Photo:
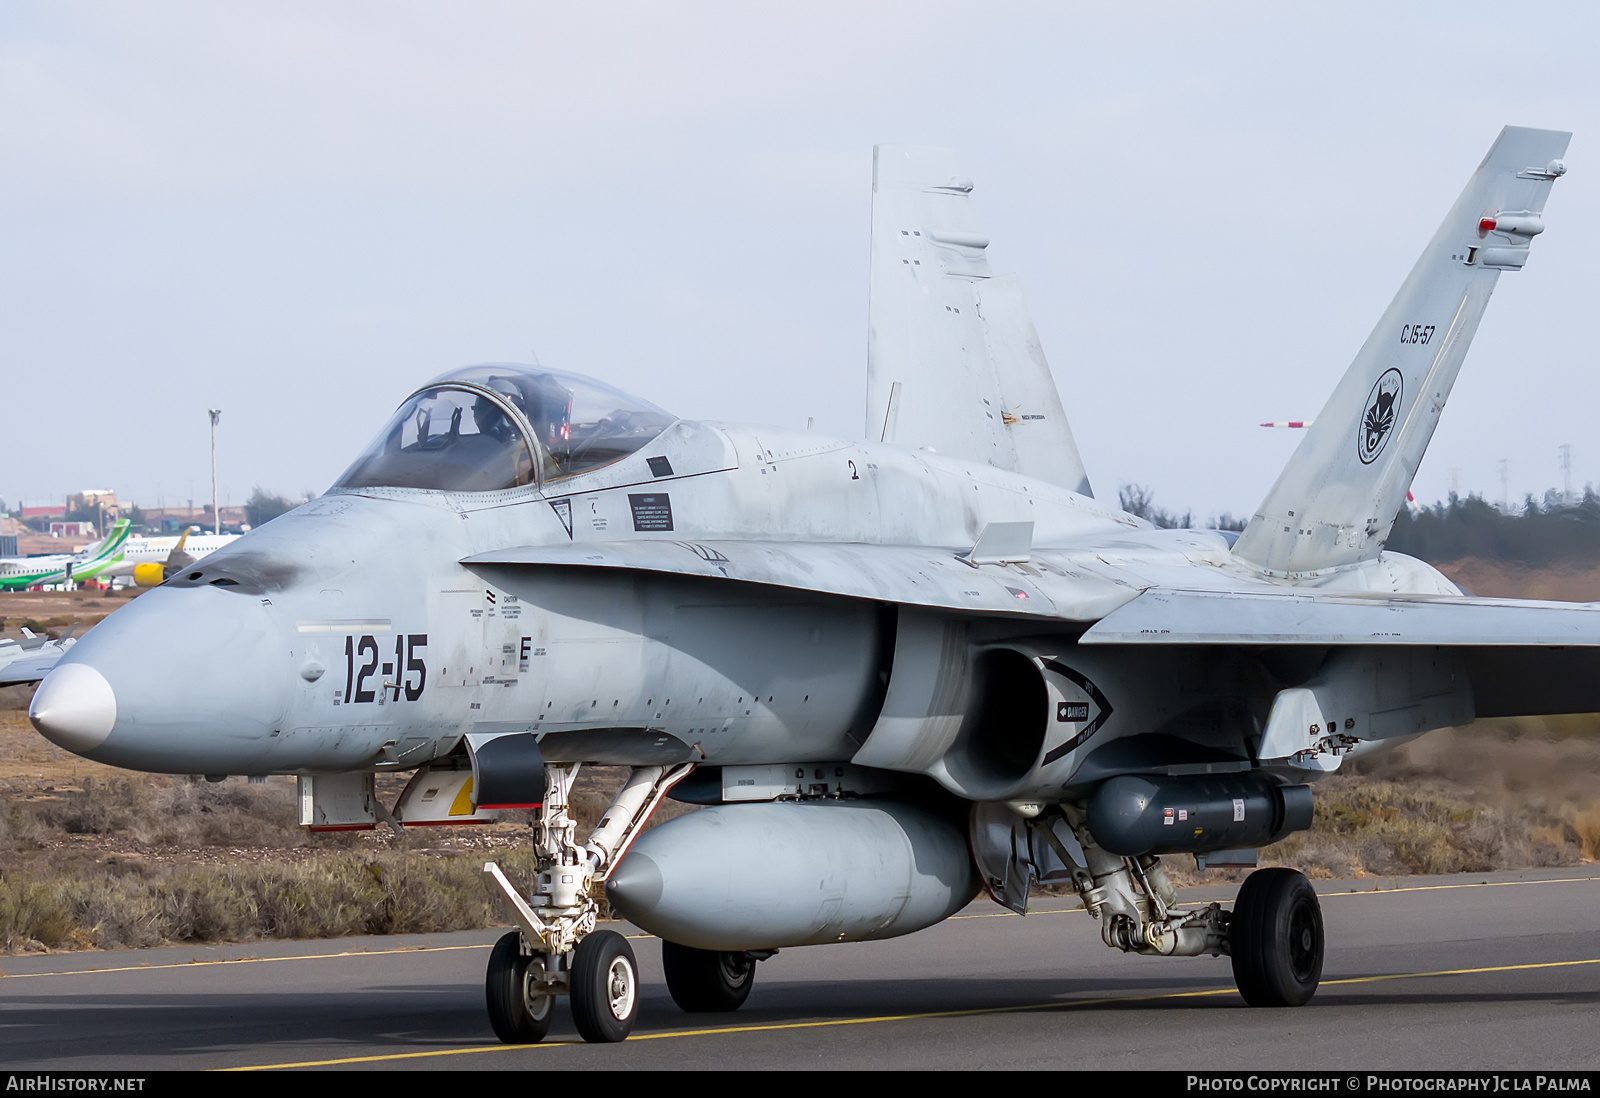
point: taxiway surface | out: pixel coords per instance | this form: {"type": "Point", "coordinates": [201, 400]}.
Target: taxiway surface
{"type": "Point", "coordinates": [1494, 970]}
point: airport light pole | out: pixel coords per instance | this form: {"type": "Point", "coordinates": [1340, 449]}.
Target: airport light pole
{"type": "Point", "coordinates": [216, 512]}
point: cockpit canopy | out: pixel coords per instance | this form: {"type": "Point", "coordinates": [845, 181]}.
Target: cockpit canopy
{"type": "Point", "coordinates": [503, 425]}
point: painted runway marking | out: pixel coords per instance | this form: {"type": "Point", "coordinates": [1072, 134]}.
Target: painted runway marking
{"type": "Point", "coordinates": [244, 961]}
{"type": "Point", "coordinates": [1023, 1008]}
{"type": "Point", "coordinates": [262, 960]}
{"type": "Point", "coordinates": [638, 937]}
{"type": "Point", "coordinates": [1470, 884]}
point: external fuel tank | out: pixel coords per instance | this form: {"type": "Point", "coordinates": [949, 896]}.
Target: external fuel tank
{"type": "Point", "coordinates": [762, 876]}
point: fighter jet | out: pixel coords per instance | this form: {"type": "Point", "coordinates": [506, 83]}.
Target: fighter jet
{"type": "Point", "coordinates": [20, 573]}
{"type": "Point", "coordinates": [894, 671]}
{"type": "Point", "coordinates": [33, 657]}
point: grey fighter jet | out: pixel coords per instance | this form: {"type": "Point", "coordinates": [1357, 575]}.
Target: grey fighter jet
{"type": "Point", "coordinates": [895, 671]}
{"type": "Point", "coordinates": [31, 658]}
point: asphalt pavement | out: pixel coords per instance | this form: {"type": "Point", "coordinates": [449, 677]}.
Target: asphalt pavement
{"type": "Point", "coordinates": [1496, 970]}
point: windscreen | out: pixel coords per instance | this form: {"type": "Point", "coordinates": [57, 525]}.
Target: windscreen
{"type": "Point", "coordinates": [452, 439]}
{"type": "Point", "coordinates": [447, 439]}
{"type": "Point", "coordinates": [580, 423]}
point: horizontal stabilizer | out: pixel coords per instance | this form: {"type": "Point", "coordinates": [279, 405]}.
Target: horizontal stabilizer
{"type": "Point", "coordinates": [1201, 617]}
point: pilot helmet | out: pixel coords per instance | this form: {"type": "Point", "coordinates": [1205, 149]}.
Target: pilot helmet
{"type": "Point", "coordinates": [490, 417]}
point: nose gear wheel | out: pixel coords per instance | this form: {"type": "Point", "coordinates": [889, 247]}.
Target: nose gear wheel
{"type": "Point", "coordinates": [604, 987]}
{"type": "Point", "coordinates": [519, 1008]}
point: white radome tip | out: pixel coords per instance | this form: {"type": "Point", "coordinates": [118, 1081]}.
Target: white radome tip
{"type": "Point", "coordinates": [74, 708]}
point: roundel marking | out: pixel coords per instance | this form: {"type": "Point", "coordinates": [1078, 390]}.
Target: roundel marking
{"type": "Point", "coordinates": [1379, 416]}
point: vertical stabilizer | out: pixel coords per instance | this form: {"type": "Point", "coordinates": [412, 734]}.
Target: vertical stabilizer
{"type": "Point", "coordinates": [953, 361]}
{"type": "Point", "coordinates": [108, 549]}
{"type": "Point", "coordinates": [1336, 501]}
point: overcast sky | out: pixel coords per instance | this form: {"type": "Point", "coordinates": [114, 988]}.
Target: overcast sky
{"type": "Point", "coordinates": [298, 212]}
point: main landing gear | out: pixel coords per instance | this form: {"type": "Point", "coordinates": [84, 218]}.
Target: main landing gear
{"type": "Point", "coordinates": [1275, 939]}
{"type": "Point", "coordinates": [703, 981]}
{"type": "Point", "coordinates": [1273, 934]}
{"type": "Point", "coordinates": [556, 949]}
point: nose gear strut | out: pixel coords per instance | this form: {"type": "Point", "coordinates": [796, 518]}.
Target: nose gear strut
{"type": "Point", "coordinates": [558, 951]}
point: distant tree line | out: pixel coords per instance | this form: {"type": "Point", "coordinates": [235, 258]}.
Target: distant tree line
{"type": "Point", "coordinates": [1138, 500]}
{"type": "Point", "coordinates": [1540, 533]}
{"type": "Point", "coordinates": [262, 506]}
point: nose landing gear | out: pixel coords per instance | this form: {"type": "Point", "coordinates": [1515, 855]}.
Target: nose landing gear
{"type": "Point", "coordinates": [520, 1007]}
{"type": "Point", "coordinates": [604, 987]}
{"type": "Point", "coordinates": [557, 950]}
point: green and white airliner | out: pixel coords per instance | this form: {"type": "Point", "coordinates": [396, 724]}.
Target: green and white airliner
{"type": "Point", "coordinates": [21, 573]}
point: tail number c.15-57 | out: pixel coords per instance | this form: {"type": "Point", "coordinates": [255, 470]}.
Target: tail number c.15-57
{"type": "Point", "coordinates": [361, 664]}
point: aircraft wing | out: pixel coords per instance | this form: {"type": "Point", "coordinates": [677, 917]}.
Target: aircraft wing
{"type": "Point", "coordinates": [937, 578]}
{"type": "Point", "coordinates": [1522, 658]}
{"type": "Point", "coordinates": [1164, 616]}
{"type": "Point", "coordinates": [911, 576]}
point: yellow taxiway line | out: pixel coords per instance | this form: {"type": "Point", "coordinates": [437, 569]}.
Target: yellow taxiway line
{"type": "Point", "coordinates": [634, 937]}
{"type": "Point", "coordinates": [1054, 1005]}
{"type": "Point", "coordinates": [241, 961]}
{"type": "Point", "coordinates": [777, 1026]}
{"type": "Point", "coordinates": [1442, 888]}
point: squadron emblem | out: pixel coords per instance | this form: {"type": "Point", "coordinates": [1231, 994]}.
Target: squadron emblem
{"type": "Point", "coordinates": [1377, 421]}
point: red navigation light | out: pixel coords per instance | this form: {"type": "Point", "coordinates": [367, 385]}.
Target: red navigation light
{"type": "Point", "coordinates": [1486, 225]}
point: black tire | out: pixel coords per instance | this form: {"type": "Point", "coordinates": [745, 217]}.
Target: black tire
{"type": "Point", "coordinates": [605, 987]}
{"type": "Point", "coordinates": [518, 1013]}
{"type": "Point", "coordinates": [703, 981]}
{"type": "Point", "coordinates": [1275, 938]}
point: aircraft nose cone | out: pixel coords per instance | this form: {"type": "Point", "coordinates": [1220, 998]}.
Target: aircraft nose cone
{"type": "Point", "coordinates": [74, 708]}
{"type": "Point", "coordinates": [178, 682]}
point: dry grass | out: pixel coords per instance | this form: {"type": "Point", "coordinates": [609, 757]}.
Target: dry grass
{"type": "Point", "coordinates": [1569, 581]}
{"type": "Point", "coordinates": [132, 904]}
{"type": "Point", "coordinates": [93, 857]}
{"type": "Point", "coordinates": [1387, 828]}
{"type": "Point", "coordinates": [55, 610]}
{"type": "Point", "coordinates": [140, 860]}
{"type": "Point", "coordinates": [96, 858]}
{"type": "Point", "coordinates": [1502, 794]}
